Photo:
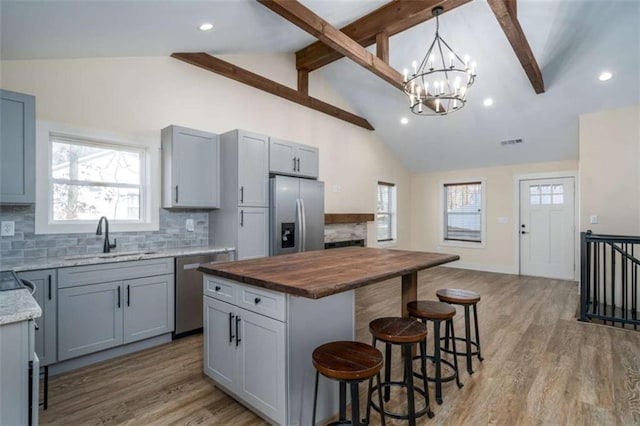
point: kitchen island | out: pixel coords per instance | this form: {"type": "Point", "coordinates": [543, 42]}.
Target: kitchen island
{"type": "Point", "coordinates": [264, 317]}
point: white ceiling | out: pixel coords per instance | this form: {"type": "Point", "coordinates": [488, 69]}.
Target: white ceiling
{"type": "Point", "coordinates": [573, 41]}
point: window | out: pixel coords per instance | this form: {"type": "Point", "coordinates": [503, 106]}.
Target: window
{"type": "Point", "coordinates": [546, 194]}
{"type": "Point", "coordinates": [463, 212]}
{"type": "Point", "coordinates": [90, 179]}
{"type": "Point", "coordinates": [386, 212]}
{"type": "Point", "coordinates": [91, 173]}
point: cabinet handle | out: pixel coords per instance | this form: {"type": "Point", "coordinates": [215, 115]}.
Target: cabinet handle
{"type": "Point", "coordinates": [238, 339]}
{"type": "Point", "coordinates": [231, 336]}
{"type": "Point", "coordinates": [218, 288]}
{"type": "Point", "coordinates": [49, 286]}
{"type": "Point", "coordinates": [256, 300]}
{"type": "Point", "coordinates": [241, 194]}
{"type": "Point", "coordinates": [128, 295]}
{"type": "Point", "coordinates": [118, 297]}
{"type": "Point", "coordinates": [241, 217]}
{"type": "Point", "coordinates": [176, 193]}
{"type": "Point", "coordinates": [298, 160]}
{"type": "Point", "coordinates": [294, 164]}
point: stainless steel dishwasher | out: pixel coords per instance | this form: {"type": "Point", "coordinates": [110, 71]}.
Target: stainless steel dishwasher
{"type": "Point", "coordinates": [189, 290]}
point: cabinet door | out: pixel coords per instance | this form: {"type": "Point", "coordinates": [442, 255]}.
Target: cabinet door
{"type": "Point", "coordinates": [148, 307]}
{"type": "Point", "coordinates": [307, 161]}
{"type": "Point", "coordinates": [281, 157]}
{"type": "Point", "coordinates": [17, 148]}
{"type": "Point", "coordinates": [261, 364]}
{"type": "Point", "coordinates": [253, 170]}
{"type": "Point", "coordinates": [195, 170]}
{"type": "Point", "coordinates": [89, 319]}
{"type": "Point", "coordinates": [47, 296]}
{"type": "Point", "coordinates": [219, 342]}
{"type": "Point", "coordinates": [253, 232]}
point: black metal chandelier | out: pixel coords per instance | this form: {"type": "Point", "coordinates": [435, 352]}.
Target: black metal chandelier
{"type": "Point", "coordinates": [440, 84]}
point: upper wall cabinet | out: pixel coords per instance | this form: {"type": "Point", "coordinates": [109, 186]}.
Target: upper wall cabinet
{"type": "Point", "coordinates": [246, 168]}
{"type": "Point", "coordinates": [17, 148]}
{"type": "Point", "coordinates": [190, 168]}
{"type": "Point", "coordinates": [294, 159]}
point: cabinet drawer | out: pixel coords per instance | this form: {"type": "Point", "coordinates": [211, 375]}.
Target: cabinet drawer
{"type": "Point", "coordinates": [117, 271]}
{"type": "Point", "coordinates": [261, 301]}
{"type": "Point", "coordinates": [220, 289]}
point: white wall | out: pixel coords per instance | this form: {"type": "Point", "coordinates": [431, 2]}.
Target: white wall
{"type": "Point", "coordinates": [139, 96]}
{"type": "Point", "coordinates": [499, 252]}
{"type": "Point", "coordinates": [610, 171]}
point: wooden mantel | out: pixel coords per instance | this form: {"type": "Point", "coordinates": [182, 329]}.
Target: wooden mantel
{"type": "Point", "coordinates": [333, 218]}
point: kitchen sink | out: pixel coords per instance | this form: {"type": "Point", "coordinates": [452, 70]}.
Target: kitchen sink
{"type": "Point", "coordinates": [108, 255]}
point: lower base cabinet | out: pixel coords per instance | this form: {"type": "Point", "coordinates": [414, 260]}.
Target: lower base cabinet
{"type": "Point", "coordinates": [245, 354]}
{"type": "Point", "coordinates": [95, 317]}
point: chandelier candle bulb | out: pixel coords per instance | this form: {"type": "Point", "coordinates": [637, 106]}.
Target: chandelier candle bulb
{"type": "Point", "coordinates": [466, 62]}
{"type": "Point", "coordinates": [451, 56]}
{"type": "Point", "coordinates": [431, 59]}
{"type": "Point", "coordinates": [415, 67]}
{"type": "Point", "coordinates": [406, 74]}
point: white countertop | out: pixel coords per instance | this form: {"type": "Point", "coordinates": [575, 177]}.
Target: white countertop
{"type": "Point", "coordinates": [91, 259]}
{"type": "Point", "coordinates": [18, 305]}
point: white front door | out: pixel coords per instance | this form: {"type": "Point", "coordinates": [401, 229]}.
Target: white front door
{"type": "Point", "coordinates": [547, 227]}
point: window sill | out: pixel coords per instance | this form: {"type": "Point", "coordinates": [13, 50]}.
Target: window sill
{"type": "Point", "coordinates": [76, 228]}
{"type": "Point", "coordinates": [463, 244]}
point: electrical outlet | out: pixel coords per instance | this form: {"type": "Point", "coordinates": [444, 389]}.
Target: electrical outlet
{"type": "Point", "coordinates": [190, 226]}
{"type": "Point", "coordinates": [8, 228]}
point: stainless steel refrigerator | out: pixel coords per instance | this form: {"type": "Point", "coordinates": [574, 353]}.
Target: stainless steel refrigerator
{"type": "Point", "coordinates": [296, 215]}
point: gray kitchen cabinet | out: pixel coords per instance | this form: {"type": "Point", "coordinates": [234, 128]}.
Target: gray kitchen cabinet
{"type": "Point", "coordinates": [245, 168]}
{"type": "Point", "coordinates": [244, 345]}
{"type": "Point", "coordinates": [47, 297]}
{"type": "Point", "coordinates": [190, 168]}
{"type": "Point", "coordinates": [253, 232]}
{"type": "Point", "coordinates": [17, 405]}
{"type": "Point", "coordinates": [17, 148]}
{"type": "Point", "coordinates": [89, 319]}
{"type": "Point", "coordinates": [137, 303]}
{"type": "Point", "coordinates": [243, 218]}
{"type": "Point", "coordinates": [292, 158]}
{"type": "Point", "coordinates": [148, 307]}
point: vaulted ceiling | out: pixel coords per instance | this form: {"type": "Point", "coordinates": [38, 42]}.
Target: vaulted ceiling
{"type": "Point", "coordinates": [573, 42]}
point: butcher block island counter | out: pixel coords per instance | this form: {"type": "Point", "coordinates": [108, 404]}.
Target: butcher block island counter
{"type": "Point", "coordinates": [264, 317]}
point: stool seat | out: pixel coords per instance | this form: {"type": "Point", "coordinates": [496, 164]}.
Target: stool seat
{"type": "Point", "coordinates": [347, 360]}
{"type": "Point", "coordinates": [431, 310]}
{"type": "Point", "coordinates": [458, 296]}
{"type": "Point", "coordinates": [398, 330]}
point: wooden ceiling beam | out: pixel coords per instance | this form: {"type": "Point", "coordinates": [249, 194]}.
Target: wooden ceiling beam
{"type": "Point", "coordinates": [304, 18]}
{"type": "Point", "coordinates": [226, 69]}
{"type": "Point", "coordinates": [382, 46]}
{"type": "Point", "coordinates": [391, 18]}
{"type": "Point", "coordinates": [505, 12]}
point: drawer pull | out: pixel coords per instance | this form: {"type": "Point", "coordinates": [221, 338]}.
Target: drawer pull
{"type": "Point", "coordinates": [256, 300]}
{"type": "Point", "coordinates": [218, 288]}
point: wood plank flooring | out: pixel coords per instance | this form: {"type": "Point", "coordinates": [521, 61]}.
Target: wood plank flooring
{"type": "Point", "coordinates": [541, 366]}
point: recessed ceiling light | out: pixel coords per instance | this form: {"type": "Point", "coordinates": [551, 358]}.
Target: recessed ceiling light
{"type": "Point", "coordinates": [205, 27]}
{"type": "Point", "coordinates": [488, 102]}
{"type": "Point", "coordinates": [404, 120]}
{"type": "Point", "coordinates": [606, 75]}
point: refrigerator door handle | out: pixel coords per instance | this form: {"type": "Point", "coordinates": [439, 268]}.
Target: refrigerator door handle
{"type": "Point", "coordinates": [303, 237]}
{"type": "Point", "coordinates": [300, 223]}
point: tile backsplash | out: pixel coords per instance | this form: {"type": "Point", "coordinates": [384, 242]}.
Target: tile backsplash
{"type": "Point", "coordinates": [345, 232]}
{"type": "Point", "coordinates": [171, 234]}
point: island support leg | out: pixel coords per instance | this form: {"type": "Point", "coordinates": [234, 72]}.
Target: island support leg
{"type": "Point", "coordinates": [409, 294]}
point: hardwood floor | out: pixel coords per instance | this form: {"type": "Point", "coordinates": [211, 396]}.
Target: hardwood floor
{"type": "Point", "coordinates": [541, 366]}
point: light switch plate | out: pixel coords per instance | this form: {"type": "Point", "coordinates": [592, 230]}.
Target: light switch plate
{"type": "Point", "coordinates": [8, 228]}
{"type": "Point", "coordinates": [190, 226]}
{"type": "Point", "coordinates": [593, 218]}
{"type": "Point", "coordinates": [503, 220]}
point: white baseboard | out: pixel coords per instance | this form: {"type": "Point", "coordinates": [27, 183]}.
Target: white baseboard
{"type": "Point", "coordinates": [485, 268]}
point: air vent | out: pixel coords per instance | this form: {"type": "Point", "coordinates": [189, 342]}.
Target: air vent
{"type": "Point", "coordinates": [511, 142]}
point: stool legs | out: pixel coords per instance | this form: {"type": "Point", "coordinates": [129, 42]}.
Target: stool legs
{"type": "Point", "coordinates": [387, 370]}
{"type": "Point", "coordinates": [448, 326]}
{"type": "Point", "coordinates": [436, 357]}
{"type": "Point", "coordinates": [380, 402]}
{"type": "Point", "coordinates": [355, 403]}
{"type": "Point", "coordinates": [475, 321]}
{"type": "Point", "coordinates": [315, 400]}
{"type": "Point", "coordinates": [408, 365]}
{"type": "Point", "coordinates": [467, 332]}
{"type": "Point", "coordinates": [343, 401]}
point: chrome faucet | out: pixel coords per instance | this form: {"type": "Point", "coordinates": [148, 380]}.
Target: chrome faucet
{"type": "Point", "coordinates": [107, 246]}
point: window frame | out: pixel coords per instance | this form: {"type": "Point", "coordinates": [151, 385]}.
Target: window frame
{"type": "Point", "coordinates": [483, 213]}
{"type": "Point", "coordinates": [149, 172]}
{"type": "Point", "coordinates": [392, 213]}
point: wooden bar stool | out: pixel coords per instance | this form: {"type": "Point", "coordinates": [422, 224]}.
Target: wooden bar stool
{"type": "Point", "coordinates": [405, 332]}
{"type": "Point", "coordinates": [465, 298]}
{"type": "Point", "coordinates": [436, 312]}
{"type": "Point", "coordinates": [349, 363]}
